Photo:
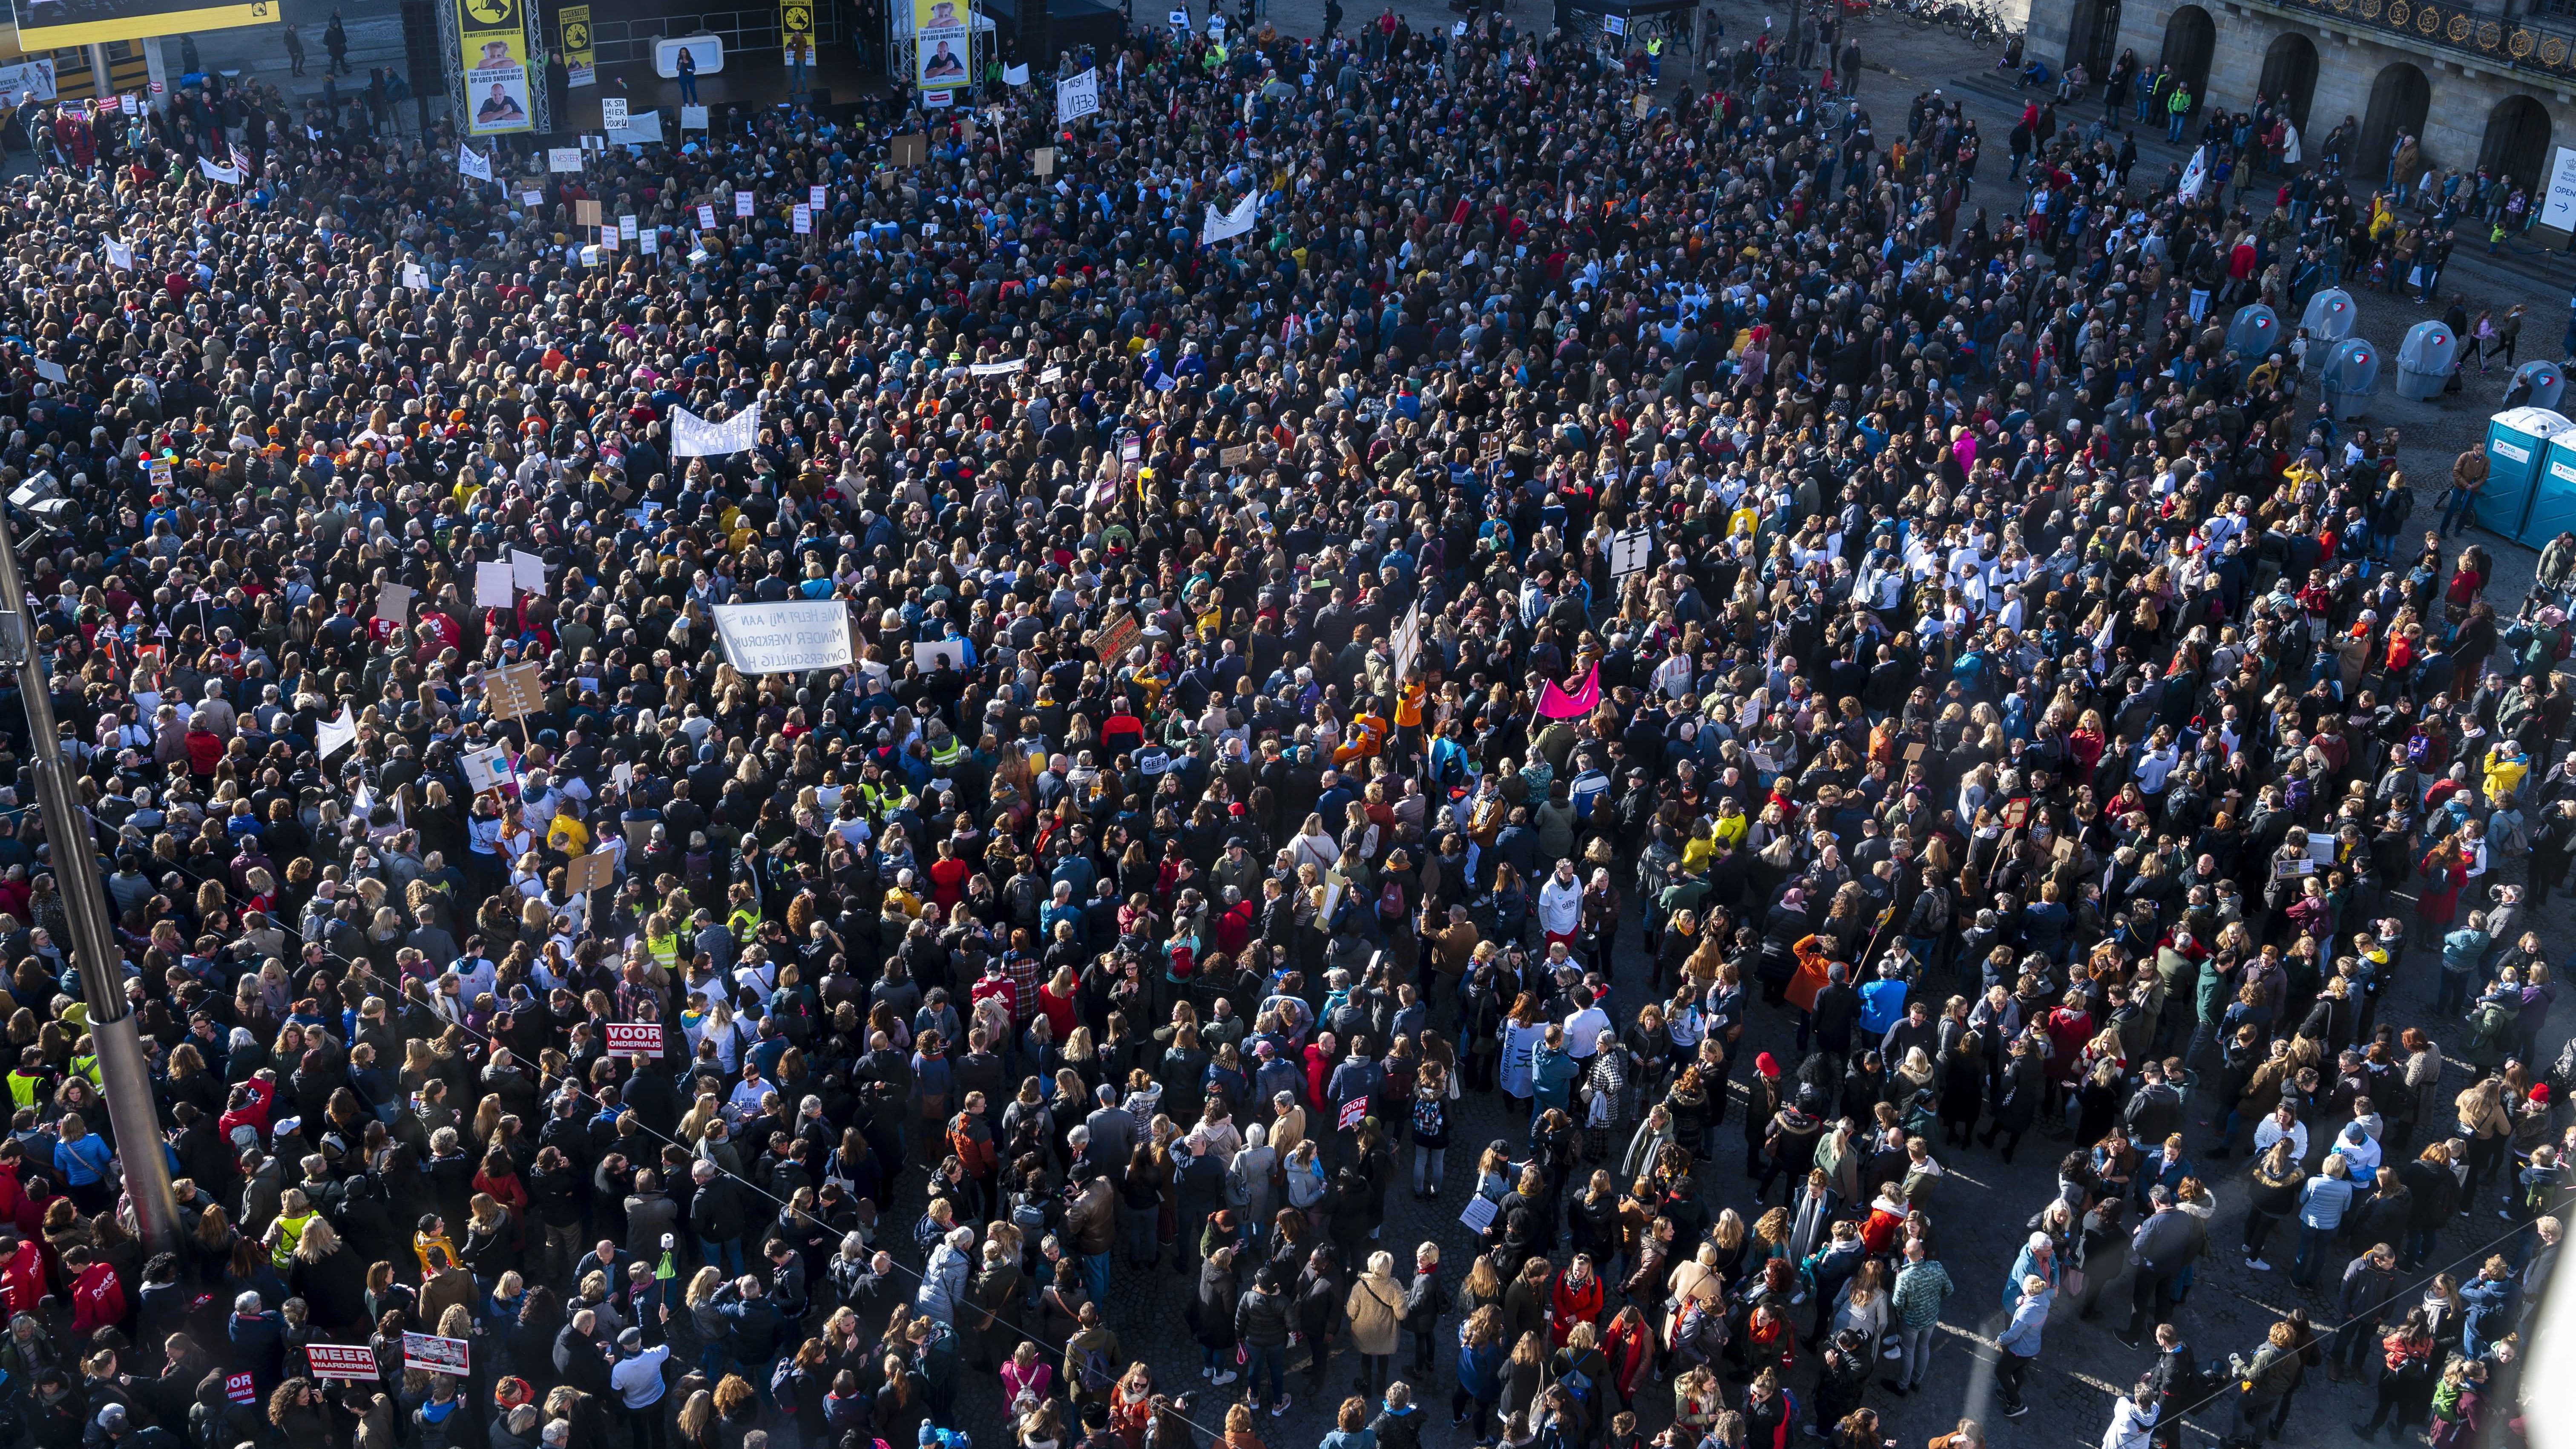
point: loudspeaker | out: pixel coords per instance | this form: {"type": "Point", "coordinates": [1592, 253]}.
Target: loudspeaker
{"type": "Point", "coordinates": [421, 53]}
{"type": "Point", "coordinates": [1037, 37]}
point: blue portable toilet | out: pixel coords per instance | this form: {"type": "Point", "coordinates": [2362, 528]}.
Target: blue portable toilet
{"type": "Point", "coordinates": [2254, 332]}
{"type": "Point", "coordinates": [2351, 375]}
{"type": "Point", "coordinates": [2553, 499]}
{"type": "Point", "coordinates": [2517, 446]}
{"type": "Point", "coordinates": [2537, 384]}
{"type": "Point", "coordinates": [2425, 360]}
{"type": "Point", "coordinates": [2330, 316]}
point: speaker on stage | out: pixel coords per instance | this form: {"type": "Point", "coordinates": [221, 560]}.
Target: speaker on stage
{"type": "Point", "coordinates": [421, 61]}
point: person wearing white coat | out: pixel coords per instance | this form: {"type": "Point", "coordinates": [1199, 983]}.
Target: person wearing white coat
{"type": "Point", "coordinates": [2133, 1418]}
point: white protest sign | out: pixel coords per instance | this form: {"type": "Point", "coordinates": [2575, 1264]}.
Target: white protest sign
{"type": "Point", "coordinates": [785, 638]}
{"type": "Point", "coordinates": [742, 203]}
{"type": "Point", "coordinates": [1226, 225]}
{"type": "Point", "coordinates": [802, 220]}
{"type": "Point", "coordinates": [226, 174]}
{"type": "Point", "coordinates": [415, 276]}
{"type": "Point", "coordinates": [816, 197]}
{"type": "Point", "coordinates": [492, 585]}
{"type": "Point", "coordinates": [706, 218]}
{"type": "Point", "coordinates": [51, 371]}
{"type": "Point", "coordinates": [437, 1355]}
{"type": "Point", "coordinates": [120, 255]}
{"type": "Point", "coordinates": [1017, 75]}
{"type": "Point", "coordinates": [469, 163]}
{"type": "Point", "coordinates": [487, 769]}
{"type": "Point", "coordinates": [332, 736]}
{"type": "Point", "coordinates": [564, 159]}
{"type": "Point", "coordinates": [1077, 97]}
{"type": "Point", "coordinates": [527, 571]}
{"type": "Point", "coordinates": [694, 437]}
{"type": "Point", "coordinates": [626, 226]}
{"type": "Point", "coordinates": [612, 114]}
{"type": "Point", "coordinates": [693, 118]}
{"type": "Point", "coordinates": [2558, 209]}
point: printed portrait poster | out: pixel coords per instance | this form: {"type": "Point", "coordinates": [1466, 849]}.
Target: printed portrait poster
{"type": "Point", "coordinates": [943, 41]}
{"type": "Point", "coordinates": [492, 45]}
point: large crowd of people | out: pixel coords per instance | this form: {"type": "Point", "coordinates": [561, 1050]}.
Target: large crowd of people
{"type": "Point", "coordinates": [1616, 647]}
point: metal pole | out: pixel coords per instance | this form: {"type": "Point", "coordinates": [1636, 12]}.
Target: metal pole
{"type": "Point", "coordinates": [123, 1068]}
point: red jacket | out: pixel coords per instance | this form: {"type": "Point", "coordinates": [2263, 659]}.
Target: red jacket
{"type": "Point", "coordinates": [22, 1278]}
{"type": "Point", "coordinates": [1569, 1303]}
{"type": "Point", "coordinates": [98, 1300]}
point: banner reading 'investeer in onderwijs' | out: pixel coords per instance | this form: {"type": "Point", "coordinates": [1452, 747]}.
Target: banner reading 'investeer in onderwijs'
{"type": "Point", "coordinates": [786, 638]}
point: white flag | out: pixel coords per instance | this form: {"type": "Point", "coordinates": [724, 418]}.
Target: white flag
{"type": "Point", "coordinates": [1077, 97]}
{"type": "Point", "coordinates": [2195, 175]}
{"type": "Point", "coordinates": [213, 172]}
{"type": "Point", "coordinates": [120, 255]}
{"type": "Point", "coordinates": [332, 736]}
{"type": "Point", "coordinates": [1222, 225]}
{"type": "Point", "coordinates": [1017, 75]}
{"type": "Point", "coordinates": [694, 437]}
{"type": "Point", "coordinates": [471, 164]}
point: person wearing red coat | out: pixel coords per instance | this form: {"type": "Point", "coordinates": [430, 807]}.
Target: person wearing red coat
{"type": "Point", "coordinates": [22, 1277]}
{"type": "Point", "coordinates": [1574, 1297]}
{"type": "Point", "coordinates": [1630, 1348]}
{"type": "Point", "coordinates": [98, 1299]}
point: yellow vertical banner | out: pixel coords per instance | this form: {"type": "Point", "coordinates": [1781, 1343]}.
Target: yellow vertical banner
{"type": "Point", "coordinates": [943, 43]}
{"type": "Point", "coordinates": [796, 30]}
{"type": "Point", "coordinates": [493, 43]}
{"type": "Point", "coordinates": [579, 68]}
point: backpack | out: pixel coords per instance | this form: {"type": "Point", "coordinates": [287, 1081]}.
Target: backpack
{"type": "Point", "coordinates": [1390, 902]}
{"type": "Point", "coordinates": [1092, 1371]}
{"type": "Point", "coordinates": [1029, 1216]}
{"type": "Point", "coordinates": [1427, 1116]}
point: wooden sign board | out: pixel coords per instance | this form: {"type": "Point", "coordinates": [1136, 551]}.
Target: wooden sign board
{"type": "Point", "coordinates": [910, 150]}
{"type": "Point", "coordinates": [2016, 814]}
{"type": "Point", "coordinates": [639, 835]}
{"type": "Point", "coordinates": [1235, 457]}
{"type": "Point", "coordinates": [585, 213]}
{"type": "Point", "coordinates": [1118, 636]}
{"type": "Point", "coordinates": [393, 604]}
{"type": "Point", "coordinates": [516, 691]}
{"type": "Point", "coordinates": [595, 871]}
{"type": "Point", "coordinates": [1042, 161]}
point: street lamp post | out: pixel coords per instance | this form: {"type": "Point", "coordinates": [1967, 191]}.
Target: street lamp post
{"type": "Point", "coordinates": [126, 1075]}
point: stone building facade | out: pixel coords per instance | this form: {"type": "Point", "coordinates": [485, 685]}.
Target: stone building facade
{"type": "Point", "coordinates": [2492, 87]}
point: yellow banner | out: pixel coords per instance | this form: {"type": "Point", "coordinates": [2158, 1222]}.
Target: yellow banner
{"type": "Point", "coordinates": [579, 68]}
{"type": "Point", "coordinates": [943, 43]}
{"type": "Point", "coordinates": [796, 23]}
{"type": "Point", "coordinates": [492, 41]}
{"type": "Point", "coordinates": [56, 24]}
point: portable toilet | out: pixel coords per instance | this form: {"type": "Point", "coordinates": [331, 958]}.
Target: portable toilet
{"type": "Point", "coordinates": [2351, 375]}
{"type": "Point", "coordinates": [2553, 498]}
{"type": "Point", "coordinates": [2517, 442]}
{"type": "Point", "coordinates": [2537, 385]}
{"type": "Point", "coordinates": [2330, 316]}
{"type": "Point", "coordinates": [2254, 332]}
{"type": "Point", "coordinates": [2425, 360]}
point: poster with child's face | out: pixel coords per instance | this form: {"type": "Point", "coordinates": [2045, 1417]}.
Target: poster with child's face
{"type": "Point", "coordinates": [943, 43]}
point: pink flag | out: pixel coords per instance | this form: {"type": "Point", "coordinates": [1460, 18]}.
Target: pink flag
{"type": "Point", "coordinates": [1555, 703]}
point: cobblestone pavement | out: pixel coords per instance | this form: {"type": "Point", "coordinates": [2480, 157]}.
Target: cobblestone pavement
{"type": "Point", "coordinates": [1980, 1213]}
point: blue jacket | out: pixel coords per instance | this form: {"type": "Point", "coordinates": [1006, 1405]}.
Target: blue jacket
{"type": "Point", "coordinates": [2021, 1336]}
{"type": "Point", "coordinates": [2322, 1201]}
{"type": "Point", "coordinates": [1480, 1369]}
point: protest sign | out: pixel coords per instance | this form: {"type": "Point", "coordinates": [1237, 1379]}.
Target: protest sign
{"type": "Point", "coordinates": [786, 638]}
{"type": "Point", "coordinates": [694, 437]}
{"type": "Point", "coordinates": [437, 1355]}
{"type": "Point", "coordinates": [1077, 97]}
{"type": "Point", "coordinates": [354, 1363]}
{"type": "Point", "coordinates": [641, 1037]}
